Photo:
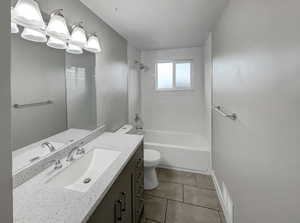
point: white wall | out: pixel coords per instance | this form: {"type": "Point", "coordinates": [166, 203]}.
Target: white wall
{"type": "Point", "coordinates": [134, 79]}
{"type": "Point", "coordinates": [6, 207]}
{"type": "Point", "coordinates": [256, 57]}
{"type": "Point", "coordinates": [176, 111]}
{"type": "Point", "coordinates": [111, 63]}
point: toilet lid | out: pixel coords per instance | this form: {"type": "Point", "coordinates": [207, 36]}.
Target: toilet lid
{"type": "Point", "coordinates": [151, 155]}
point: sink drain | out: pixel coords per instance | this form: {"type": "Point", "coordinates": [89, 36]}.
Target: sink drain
{"type": "Point", "coordinates": [87, 180]}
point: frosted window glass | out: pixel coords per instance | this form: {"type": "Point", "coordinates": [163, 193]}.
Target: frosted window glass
{"type": "Point", "coordinates": [165, 75]}
{"type": "Point", "coordinates": [183, 75]}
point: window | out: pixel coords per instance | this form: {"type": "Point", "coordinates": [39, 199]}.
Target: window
{"type": "Point", "coordinates": [174, 75]}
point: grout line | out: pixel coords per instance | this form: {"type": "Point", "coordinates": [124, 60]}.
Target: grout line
{"type": "Point", "coordinates": [195, 205]}
{"type": "Point", "coordinates": [201, 206]}
{"type": "Point", "coordinates": [165, 220]}
{"type": "Point", "coordinates": [183, 193]}
{"type": "Point", "coordinates": [165, 198]}
{"type": "Point", "coordinates": [172, 182]}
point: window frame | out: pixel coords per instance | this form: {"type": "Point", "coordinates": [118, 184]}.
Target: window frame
{"type": "Point", "coordinates": [174, 88]}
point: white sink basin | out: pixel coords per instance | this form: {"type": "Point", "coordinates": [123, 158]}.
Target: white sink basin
{"type": "Point", "coordinates": [83, 173]}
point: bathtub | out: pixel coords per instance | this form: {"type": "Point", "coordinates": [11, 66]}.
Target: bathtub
{"type": "Point", "coordinates": [180, 151]}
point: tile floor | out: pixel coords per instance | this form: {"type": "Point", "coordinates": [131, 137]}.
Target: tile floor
{"type": "Point", "coordinates": [182, 197]}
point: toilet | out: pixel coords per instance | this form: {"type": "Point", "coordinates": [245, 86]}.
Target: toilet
{"type": "Point", "coordinates": [151, 161]}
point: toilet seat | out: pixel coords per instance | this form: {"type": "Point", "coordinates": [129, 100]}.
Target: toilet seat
{"type": "Point", "coordinates": [151, 158]}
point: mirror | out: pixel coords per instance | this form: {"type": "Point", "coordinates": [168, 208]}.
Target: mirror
{"type": "Point", "coordinates": [53, 98]}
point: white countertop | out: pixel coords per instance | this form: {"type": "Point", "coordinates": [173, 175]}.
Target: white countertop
{"type": "Point", "coordinates": [36, 202]}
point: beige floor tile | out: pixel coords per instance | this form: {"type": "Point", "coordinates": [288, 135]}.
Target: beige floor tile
{"type": "Point", "coordinates": [181, 177]}
{"type": "Point", "coordinates": [155, 208]}
{"type": "Point", "coordinates": [204, 182]}
{"type": "Point", "coordinates": [201, 197]}
{"type": "Point", "coordinates": [184, 213]}
{"type": "Point", "coordinates": [167, 190]}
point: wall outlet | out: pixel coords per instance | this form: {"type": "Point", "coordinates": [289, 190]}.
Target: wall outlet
{"type": "Point", "coordinates": [228, 203]}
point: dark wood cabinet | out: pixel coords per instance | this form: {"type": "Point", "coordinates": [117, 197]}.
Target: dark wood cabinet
{"type": "Point", "coordinates": [124, 203]}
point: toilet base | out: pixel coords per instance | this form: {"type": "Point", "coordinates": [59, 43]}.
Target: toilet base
{"type": "Point", "coordinates": [150, 178]}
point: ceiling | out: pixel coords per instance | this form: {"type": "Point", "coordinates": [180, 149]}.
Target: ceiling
{"type": "Point", "coordinates": [159, 24]}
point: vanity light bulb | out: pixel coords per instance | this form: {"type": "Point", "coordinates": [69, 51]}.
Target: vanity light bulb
{"type": "Point", "coordinates": [93, 45]}
{"type": "Point", "coordinates": [13, 26]}
{"type": "Point", "coordinates": [27, 13]}
{"type": "Point", "coordinates": [57, 27]}
{"type": "Point", "coordinates": [34, 35]}
{"type": "Point", "coordinates": [73, 49]}
{"type": "Point", "coordinates": [56, 43]}
{"type": "Point", "coordinates": [78, 36]}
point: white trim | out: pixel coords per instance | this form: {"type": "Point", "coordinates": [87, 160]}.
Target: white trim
{"type": "Point", "coordinates": [207, 172]}
{"type": "Point", "coordinates": [220, 196]}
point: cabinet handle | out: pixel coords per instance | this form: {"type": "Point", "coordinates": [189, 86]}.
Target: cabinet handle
{"type": "Point", "coordinates": [124, 201]}
{"type": "Point", "coordinates": [119, 210]}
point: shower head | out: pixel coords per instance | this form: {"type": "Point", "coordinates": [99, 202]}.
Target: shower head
{"type": "Point", "coordinates": [140, 66]}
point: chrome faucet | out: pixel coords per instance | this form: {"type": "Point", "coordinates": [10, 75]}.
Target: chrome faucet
{"type": "Point", "coordinates": [49, 146]}
{"type": "Point", "coordinates": [71, 154]}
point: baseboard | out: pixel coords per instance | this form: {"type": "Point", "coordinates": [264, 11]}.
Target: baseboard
{"type": "Point", "coordinates": [220, 196]}
{"type": "Point", "coordinates": [204, 172]}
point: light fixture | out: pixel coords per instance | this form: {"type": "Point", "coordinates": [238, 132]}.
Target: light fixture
{"type": "Point", "coordinates": [34, 35]}
{"type": "Point", "coordinates": [56, 43]}
{"type": "Point", "coordinates": [27, 14]}
{"type": "Point", "coordinates": [73, 49]}
{"type": "Point", "coordinates": [57, 26]}
{"type": "Point", "coordinates": [13, 26]}
{"type": "Point", "coordinates": [93, 44]}
{"type": "Point", "coordinates": [78, 36]}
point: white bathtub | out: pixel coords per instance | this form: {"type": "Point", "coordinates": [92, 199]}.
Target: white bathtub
{"type": "Point", "coordinates": [181, 151]}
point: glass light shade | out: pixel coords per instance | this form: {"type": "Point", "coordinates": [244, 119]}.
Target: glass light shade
{"type": "Point", "coordinates": [57, 27]}
{"type": "Point", "coordinates": [27, 13]}
{"type": "Point", "coordinates": [57, 43]}
{"type": "Point", "coordinates": [73, 49]}
{"type": "Point", "coordinates": [13, 26]}
{"type": "Point", "coordinates": [34, 35]}
{"type": "Point", "coordinates": [93, 45]}
{"type": "Point", "coordinates": [78, 36]}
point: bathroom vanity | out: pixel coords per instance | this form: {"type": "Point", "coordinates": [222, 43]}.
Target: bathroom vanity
{"type": "Point", "coordinates": [124, 201]}
{"type": "Point", "coordinates": [113, 194]}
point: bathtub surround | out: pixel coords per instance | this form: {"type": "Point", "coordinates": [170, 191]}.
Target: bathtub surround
{"type": "Point", "coordinates": [173, 111]}
{"type": "Point", "coordinates": [256, 55]}
{"type": "Point", "coordinates": [6, 209]}
{"type": "Point", "coordinates": [175, 121]}
{"type": "Point", "coordinates": [181, 151]}
{"type": "Point", "coordinates": [208, 75]}
{"type": "Point", "coordinates": [134, 80]}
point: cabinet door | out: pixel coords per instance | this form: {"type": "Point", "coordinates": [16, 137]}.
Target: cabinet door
{"type": "Point", "coordinates": [123, 186]}
{"type": "Point", "coordinates": [106, 211]}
